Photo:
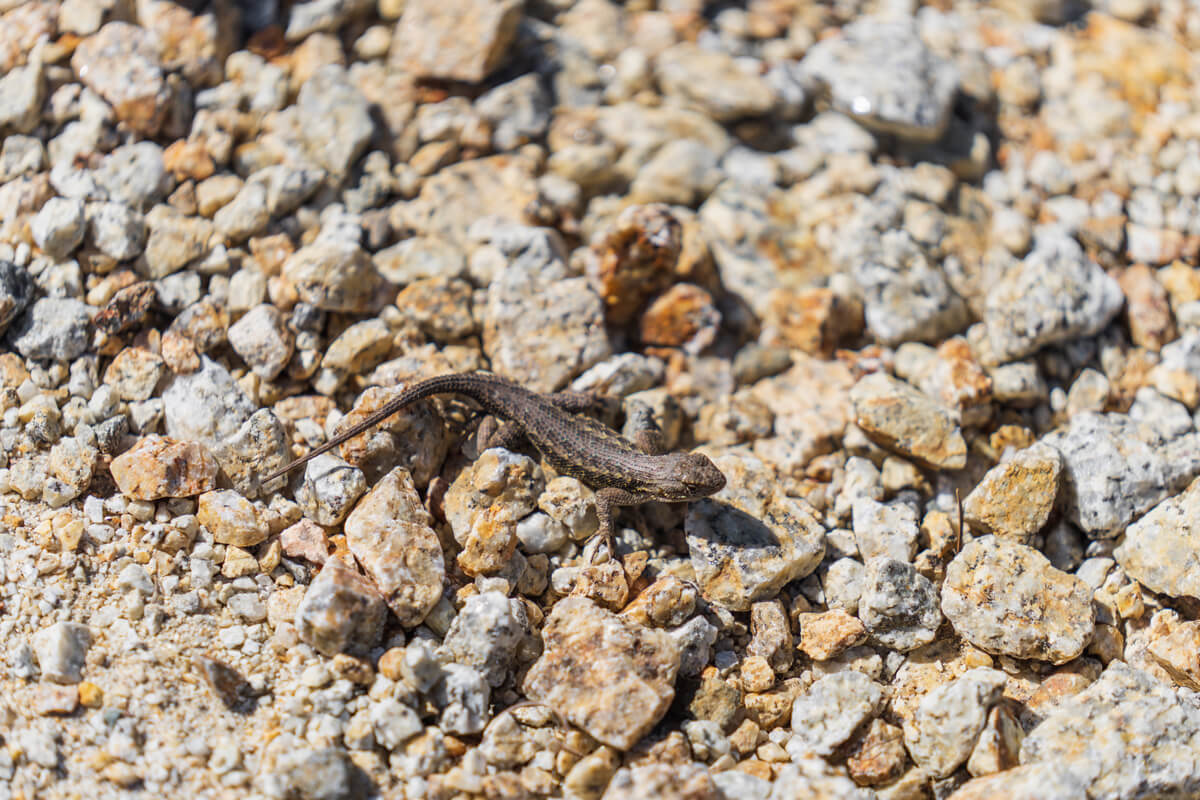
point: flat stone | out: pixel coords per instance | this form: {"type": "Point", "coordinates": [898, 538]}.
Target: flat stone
{"type": "Point", "coordinates": [613, 678]}
{"type": "Point", "coordinates": [1015, 497]}
{"type": "Point", "coordinates": [903, 419]}
{"type": "Point", "coordinates": [159, 466]}
{"type": "Point", "coordinates": [1006, 598]}
{"type": "Point", "coordinates": [946, 725]}
{"type": "Point", "coordinates": [391, 535]}
{"type": "Point", "coordinates": [750, 539]}
{"type": "Point", "coordinates": [341, 610]}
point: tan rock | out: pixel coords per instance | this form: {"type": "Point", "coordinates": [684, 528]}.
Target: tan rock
{"type": "Point", "coordinates": [1015, 497]}
{"type": "Point", "coordinates": [905, 420]}
{"type": "Point", "coordinates": [391, 535]}
{"type": "Point", "coordinates": [230, 518]}
{"type": "Point", "coordinates": [829, 634]}
{"type": "Point", "coordinates": [158, 466]}
{"type": "Point", "coordinates": [613, 678]}
{"type": "Point", "coordinates": [461, 40]}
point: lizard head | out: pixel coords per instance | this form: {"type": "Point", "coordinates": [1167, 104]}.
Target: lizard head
{"type": "Point", "coordinates": [693, 476]}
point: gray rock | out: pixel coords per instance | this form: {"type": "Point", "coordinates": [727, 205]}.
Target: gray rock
{"type": "Point", "coordinates": [262, 338]}
{"type": "Point", "coordinates": [16, 290]}
{"type": "Point", "coordinates": [311, 774]}
{"type": "Point", "coordinates": [331, 488]}
{"type": "Point", "coordinates": [885, 530]}
{"type": "Point", "coordinates": [341, 610]}
{"type": "Point", "coordinates": [116, 230]}
{"type": "Point", "coordinates": [59, 226]}
{"type": "Point", "coordinates": [61, 651]}
{"type": "Point", "coordinates": [695, 639]}
{"type": "Point", "coordinates": [258, 448]}
{"type": "Point", "coordinates": [1115, 469]}
{"type": "Point", "coordinates": [843, 582]}
{"type": "Point", "coordinates": [287, 185]}
{"type": "Point", "coordinates": [21, 155]}
{"type": "Point", "coordinates": [174, 241]}
{"type": "Point", "coordinates": [420, 667]}
{"type": "Point", "coordinates": [942, 732]}
{"type": "Point", "coordinates": [1054, 294]}
{"type": "Point", "coordinates": [899, 606]}
{"type": "Point", "coordinates": [463, 695]}
{"type": "Point", "coordinates": [1136, 728]}
{"type": "Point", "coordinates": [486, 635]}
{"type": "Point", "coordinates": [51, 328]}
{"type": "Point", "coordinates": [1168, 417]}
{"type": "Point", "coordinates": [335, 119]}
{"type": "Point", "coordinates": [518, 110]}
{"type": "Point", "coordinates": [906, 295]}
{"type": "Point", "coordinates": [206, 405]}
{"type": "Point", "coordinates": [134, 175]}
{"type": "Point", "coordinates": [883, 75]}
{"type": "Point", "coordinates": [828, 714]}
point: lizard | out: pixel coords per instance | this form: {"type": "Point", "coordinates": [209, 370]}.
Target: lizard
{"type": "Point", "coordinates": [620, 471]}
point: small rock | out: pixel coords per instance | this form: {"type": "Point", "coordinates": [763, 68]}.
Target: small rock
{"type": "Point", "coordinates": [116, 230]}
{"type": "Point", "coordinates": [59, 227]}
{"type": "Point", "coordinates": [885, 530]}
{"type": "Point", "coordinates": [903, 419]}
{"type": "Point", "coordinates": [687, 781]}
{"type": "Point", "coordinates": [486, 634]}
{"type": "Point", "coordinates": [829, 713]}
{"type": "Point", "coordinates": [261, 337]}
{"type": "Point", "coordinates": [335, 119]}
{"type": "Point", "coordinates": [899, 606]}
{"type": "Point", "coordinates": [230, 518]}
{"type": "Point", "coordinates": [712, 81]}
{"type": "Point", "coordinates": [52, 328]}
{"type": "Point", "coordinates": [134, 373]}
{"type": "Point", "coordinates": [1160, 550]}
{"type": "Point", "coordinates": [312, 774]}
{"type": "Point", "coordinates": [1005, 598]}
{"type": "Point", "coordinates": [391, 535]}
{"type": "Point", "coordinates": [878, 756]}
{"type": "Point", "coordinates": [829, 634]}
{"type": "Point", "coordinates": [330, 489]}
{"type": "Point", "coordinates": [206, 405]}
{"type": "Point", "coordinates": [61, 651]}
{"type": "Point", "coordinates": [306, 539]}
{"type": "Point", "coordinates": [1015, 497]}
{"type": "Point", "coordinates": [340, 611]}
{"type": "Point", "coordinates": [158, 466]}
{"type": "Point", "coordinates": [946, 725]}
{"type": "Point", "coordinates": [121, 63]}
{"type": "Point", "coordinates": [258, 448]}
{"type": "Point", "coordinates": [464, 697]}
{"type": "Point", "coordinates": [394, 723]}
{"type": "Point", "coordinates": [462, 40]}
{"type": "Point", "coordinates": [334, 276]}
{"type": "Point", "coordinates": [613, 678]}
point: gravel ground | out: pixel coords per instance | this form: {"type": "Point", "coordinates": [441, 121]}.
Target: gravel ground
{"type": "Point", "coordinates": [918, 277]}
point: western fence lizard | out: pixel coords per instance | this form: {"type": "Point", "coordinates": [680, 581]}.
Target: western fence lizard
{"type": "Point", "coordinates": [622, 473]}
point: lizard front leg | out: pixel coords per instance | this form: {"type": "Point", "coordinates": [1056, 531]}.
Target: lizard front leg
{"type": "Point", "coordinates": [607, 499]}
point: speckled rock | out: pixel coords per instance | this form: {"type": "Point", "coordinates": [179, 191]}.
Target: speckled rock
{"type": "Point", "coordinates": [158, 466]}
{"type": "Point", "coordinates": [948, 720]}
{"type": "Point", "coordinates": [903, 419]}
{"type": "Point", "coordinates": [1134, 726]}
{"type": "Point", "coordinates": [885, 530]}
{"type": "Point", "coordinates": [341, 610]}
{"type": "Point", "coordinates": [62, 651]}
{"type": "Point", "coordinates": [331, 488]}
{"type": "Point", "coordinates": [335, 119]}
{"type": "Point", "coordinates": [333, 276]}
{"type": "Point", "coordinates": [1161, 549]}
{"type": "Point", "coordinates": [898, 606]}
{"type": "Point", "coordinates": [1056, 293]}
{"type": "Point", "coordinates": [258, 448]}
{"type": "Point", "coordinates": [230, 518]}
{"type": "Point", "coordinates": [1015, 497]}
{"type": "Point", "coordinates": [615, 679]}
{"type": "Point", "coordinates": [389, 531]}
{"type": "Point", "coordinates": [1006, 598]}
{"type": "Point", "coordinates": [880, 72]}
{"type": "Point", "coordinates": [749, 539]}
{"type": "Point", "coordinates": [206, 405]}
{"type": "Point", "coordinates": [306, 773]}
{"type": "Point", "coordinates": [833, 708]}
{"type": "Point", "coordinates": [121, 63]}
{"type": "Point", "coordinates": [414, 437]}
{"type": "Point", "coordinates": [1115, 469]}
{"type": "Point", "coordinates": [484, 504]}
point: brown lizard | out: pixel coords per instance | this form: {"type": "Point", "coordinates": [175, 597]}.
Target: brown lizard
{"type": "Point", "coordinates": [621, 472]}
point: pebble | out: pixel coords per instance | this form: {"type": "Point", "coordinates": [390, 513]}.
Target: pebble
{"type": "Point", "coordinates": [663, 782]}
{"type": "Point", "coordinates": [614, 679]}
{"type": "Point", "coordinates": [748, 540]}
{"type": "Point", "coordinates": [1114, 470]}
{"type": "Point", "coordinates": [333, 276]}
{"type": "Point", "coordinates": [464, 696]}
{"type": "Point", "coordinates": [61, 651]}
{"type": "Point", "coordinates": [330, 490]}
{"type": "Point", "coordinates": [262, 339]}
{"type": "Point", "coordinates": [206, 405]}
{"type": "Point", "coordinates": [1006, 598]}
{"type": "Point", "coordinates": [1159, 550]}
{"type": "Point", "coordinates": [832, 709]}
{"type": "Point", "coordinates": [1056, 293]}
{"type": "Point", "coordinates": [258, 448]}
{"type": "Point", "coordinates": [16, 290]}
{"type": "Point", "coordinates": [306, 539]}
{"type": "Point", "coordinates": [712, 82]}
{"type": "Point", "coordinates": [881, 73]}
{"type": "Point", "coordinates": [230, 518]}
{"type": "Point", "coordinates": [947, 722]}
{"type": "Point", "coordinates": [885, 530]}
{"type": "Point", "coordinates": [391, 535]}
{"type": "Point", "coordinates": [159, 466]}
{"type": "Point", "coordinates": [904, 420]}
{"type": "Point", "coordinates": [334, 119]}
{"type": "Point", "coordinates": [828, 634]}
{"type": "Point", "coordinates": [341, 610]}
{"type": "Point", "coordinates": [59, 226]}
{"type": "Point", "coordinates": [1014, 499]}
{"type": "Point", "coordinates": [306, 773]}
{"type": "Point", "coordinates": [899, 606]}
